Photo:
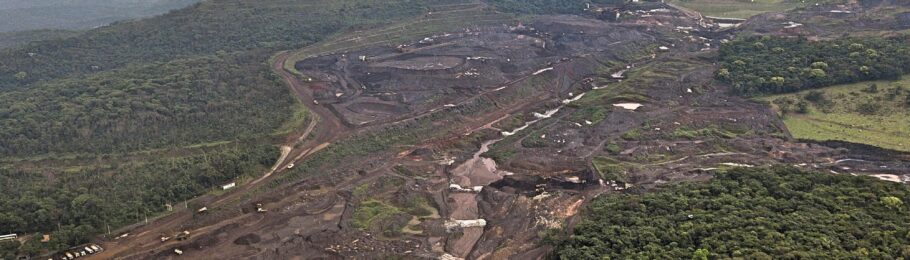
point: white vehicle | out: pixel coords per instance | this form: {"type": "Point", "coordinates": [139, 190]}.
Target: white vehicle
{"type": "Point", "coordinates": [97, 248]}
{"type": "Point", "coordinates": [89, 250]}
{"type": "Point", "coordinates": [260, 209]}
{"type": "Point", "coordinates": [178, 251]}
{"type": "Point", "coordinates": [202, 210]}
{"type": "Point", "coordinates": [290, 166]}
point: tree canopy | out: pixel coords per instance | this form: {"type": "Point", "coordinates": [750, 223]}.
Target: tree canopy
{"type": "Point", "coordinates": [755, 65]}
{"type": "Point", "coordinates": [776, 213]}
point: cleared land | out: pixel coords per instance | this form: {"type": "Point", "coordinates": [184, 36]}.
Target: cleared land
{"type": "Point", "coordinates": [854, 113]}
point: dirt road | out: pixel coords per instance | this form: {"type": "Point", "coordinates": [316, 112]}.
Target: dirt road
{"type": "Point", "coordinates": [147, 237]}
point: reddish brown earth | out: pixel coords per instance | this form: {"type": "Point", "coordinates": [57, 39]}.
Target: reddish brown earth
{"type": "Point", "coordinates": [504, 92]}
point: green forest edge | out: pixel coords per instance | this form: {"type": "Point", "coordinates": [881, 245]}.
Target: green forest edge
{"type": "Point", "coordinates": [747, 213]}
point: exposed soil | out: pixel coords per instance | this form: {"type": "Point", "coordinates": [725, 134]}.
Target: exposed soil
{"type": "Point", "coordinates": [521, 95]}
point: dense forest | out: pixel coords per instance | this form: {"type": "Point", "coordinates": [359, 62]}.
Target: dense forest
{"type": "Point", "coordinates": [754, 65]}
{"type": "Point", "coordinates": [76, 206]}
{"type": "Point", "coordinates": [778, 213]}
{"type": "Point", "coordinates": [14, 39]}
{"type": "Point", "coordinates": [142, 107]}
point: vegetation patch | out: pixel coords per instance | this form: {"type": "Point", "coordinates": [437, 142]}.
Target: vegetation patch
{"type": "Point", "coordinates": [875, 113]}
{"type": "Point", "coordinates": [611, 170]}
{"type": "Point", "coordinates": [386, 206]}
{"type": "Point", "coordinates": [750, 214]}
{"type": "Point", "coordinates": [711, 131]}
{"type": "Point", "coordinates": [588, 115]}
{"type": "Point", "coordinates": [299, 118]}
{"type": "Point", "coordinates": [632, 135]}
{"type": "Point", "coordinates": [372, 210]}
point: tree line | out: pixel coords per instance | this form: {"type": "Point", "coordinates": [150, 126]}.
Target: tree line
{"type": "Point", "coordinates": [764, 64]}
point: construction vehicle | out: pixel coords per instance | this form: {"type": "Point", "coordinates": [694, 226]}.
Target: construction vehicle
{"type": "Point", "coordinates": [182, 235]}
{"type": "Point", "coordinates": [260, 209]}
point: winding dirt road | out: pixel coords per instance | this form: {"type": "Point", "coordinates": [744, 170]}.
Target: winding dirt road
{"type": "Point", "coordinates": [146, 237]}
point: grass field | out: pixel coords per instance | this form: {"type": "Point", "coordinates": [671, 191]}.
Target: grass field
{"type": "Point", "coordinates": [853, 113]}
{"type": "Point", "coordinates": [739, 8]}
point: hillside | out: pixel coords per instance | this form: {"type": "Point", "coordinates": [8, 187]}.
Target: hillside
{"type": "Point", "coordinates": [873, 113]}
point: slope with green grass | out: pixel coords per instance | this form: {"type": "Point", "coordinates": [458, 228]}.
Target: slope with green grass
{"type": "Point", "coordinates": [858, 113]}
{"type": "Point", "coordinates": [741, 8]}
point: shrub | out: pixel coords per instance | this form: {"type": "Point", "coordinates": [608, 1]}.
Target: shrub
{"type": "Point", "coordinates": [868, 108]}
